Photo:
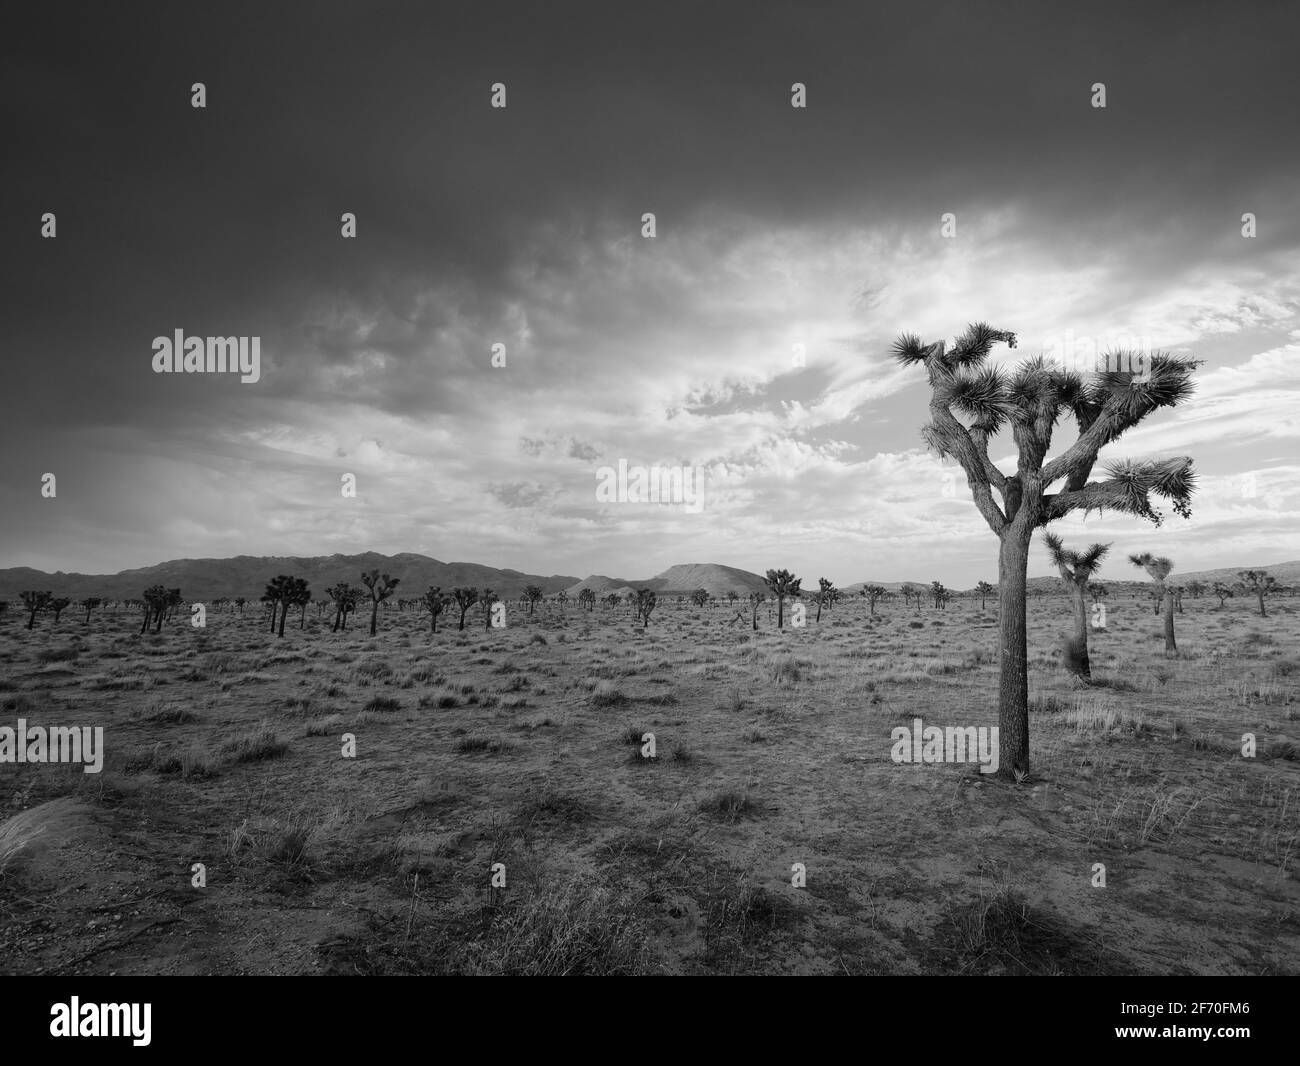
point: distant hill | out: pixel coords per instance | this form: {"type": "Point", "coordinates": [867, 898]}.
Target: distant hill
{"type": "Point", "coordinates": [247, 575]}
{"type": "Point", "coordinates": [682, 579]}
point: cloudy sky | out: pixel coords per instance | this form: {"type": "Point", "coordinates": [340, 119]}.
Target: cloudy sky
{"type": "Point", "coordinates": [775, 227]}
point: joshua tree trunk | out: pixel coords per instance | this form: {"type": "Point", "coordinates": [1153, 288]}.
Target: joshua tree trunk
{"type": "Point", "coordinates": [1080, 667]}
{"type": "Point", "coordinates": [1171, 649]}
{"type": "Point", "coordinates": [1013, 652]}
{"type": "Point", "coordinates": [274, 610]}
{"type": "Point", "coordinates": [284, 613]}
{"type": "Point", "coordinates": [1260, 594]}
{"type": "Point", "coordinates": [780, 612]}
{"type": "Point", "coordinates": [374, 617]}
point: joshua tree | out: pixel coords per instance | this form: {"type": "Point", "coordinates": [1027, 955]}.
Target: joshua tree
{"type": "Point", "coordinates": [239, 602]}
{"type": "Point", "coordinates": [58, 606]}
{"type": "Point", "coordinates": [380, 588]}
{"type": "Point", "coordinates": [732, 596]}
{"type": "Point", "coordinates": [90, 603]}
{"type": "Point", "coordinates": [562, 599]}
{"type": "Point", "coordinates": [465, 599]}
{"type": "Point", "coordinates": [700, 597]}
{"type": "Point", "coordinates": [938, 593]}
{"type": "Point", "coordinates": [1076, 568]}
{"type": "Point", "coordinates": [531, 595]}
{"type": "Point", "coordinates": [1097, 592]}
{"type": "Point", "coordinates": [1223, 592]}
{"type": "Point", "coordinates": [302, 598]}
{"type": "Point", "coordinates": [157, 600]}
{"type": "Point", "coordinates": [782, 585]}
{"type": "Point", "coordinates": [587, 599]}
{"type": "Point", "coordinates": [279, 592]}
{"type": "Point", "coordinates": [872, 593]}
{"type": "Point", "coordinates": [984, 590]}
{"type": "Point", "coordinates": [826, 595]}
{"type": "Point", "coordinates": [1259, 582]}
{"type": "Point", "coordinates": [35, 602]}
{"type": "Point", "coordinates": [1158, 567]}
{"type": "Point", "coordinates": [645, 605]}
{"type": "Point", "coordinates": [911, 592]}
{"type": "Point", "coordinates": [435, 602]}
{"type": "Point", "coordinates": [755, 602]}
{"type": "Point", "coordinates": [1031, 400]}
{"type": "Point", "coordinates": [486, 600]}
{"type": "Point", "coordinates": [611, 601]}
{"type": "Point", "coordinates": [1195, 589]}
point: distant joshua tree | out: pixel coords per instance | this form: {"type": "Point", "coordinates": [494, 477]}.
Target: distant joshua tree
{"type": "Point", "coordinates": [1098, 592]}
{"type": "Point", "coordinates": [487, 599]}
{"type": "Point", "coordinates": [531, 595]}
{"type": "Point", "coordinates": [645, 605]}
{"type": "Point", "coordinates": [380, 588]}
{"type": "Point", "coordinates": [58, 606]}
{"type": "Point", "coordinates": [1031, 400]}
{"type": "Point", "coordinates": [345, 599]}
{"type": "Point", "coordinates": [90, 603]}
{"type": "Point", "coordinates": [279, 593]}
{"type": "Point", "coordinates": [1195, 589]}
{"type": "Point", "coordinates": [465, 599]}
{"type": "Point", "coordinates": [911, 592]}
{"type": "Point", "coordinates": [300, 596]}
{"type": "Point", "coordinates": [826, 595]}
{"type": "Point", "coordinates": [782, 585]}
{"type": "Point", "coordinates": [611, 601]}
{"type": "Point", "coordinates": [756, 600]}
{"type": "Point", "coordinates": [872, 593]}
{"type": "Point", "coordinates": [1223, 592]}
{"type": "Point", "coordinates": [732, 596]}
{"type": "Point", "coordinates": [1075, 569]}
{"type": "Point", "coordinates": [1159, 567]}
{"type": "Point", "coordinates": [435, 601]}
{"type": "Point", "coordinates": [587, 599]}
{"type": "Point", "coordinates": [34, 603]}
{"type": "Point", "coordinates": [700, 597]}
{"type": "Point", "coordinates": [938, 593]}
{"type": "Point", "coordinates": [984, 590]}
{"type": "Point", "coordinates": [157, 600]}
{"type": "Point", "coordinates": [1258, 582]}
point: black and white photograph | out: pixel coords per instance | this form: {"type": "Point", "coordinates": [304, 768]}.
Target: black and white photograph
{"type": "Point", "coordinates": [677, 489]}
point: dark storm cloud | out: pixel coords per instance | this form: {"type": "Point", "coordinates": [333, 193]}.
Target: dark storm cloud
{"type": "Point", "coordinates": [474, 224]}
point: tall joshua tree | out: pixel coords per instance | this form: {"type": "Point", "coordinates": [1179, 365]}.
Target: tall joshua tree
{"type": "Point", "coordinates": [911, 592]}
{"type": "Point", "coordinates": [1259, 582]}
{"type": "Point", "coordinates": [755, 602]}
{"type": "Point", "coordinates": [1030, 401]}
{"type": "Point", "coordinates": [435, 602]}
{"type": "Point", "coordinates": [1076, 569]}
{"type": "Point", "coordinates": [487, 599]}
{"type": "Point", "coordinates": [90, 603]}
{"type": "Point", "coordinates": [983, 590]}
{"type": "Point", "coordinates": [700, 597]}
{"type": "Point", "coordinates": [62, 603]}
{"type": "Point", "coordinates": [587, 599]}
{"type": "Point", "coordinates": [782, 585]}
{"type": "Point", "coordinates": [34, 603]}
{"type": "Point", "coordinates": [938, 593]}
{"type": "Point", "coordinates": [1223, 592]}
{"type": "Point", "coordinates": [1158, 568]}
{"type": "Point", "coordinates": [380, 588]}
